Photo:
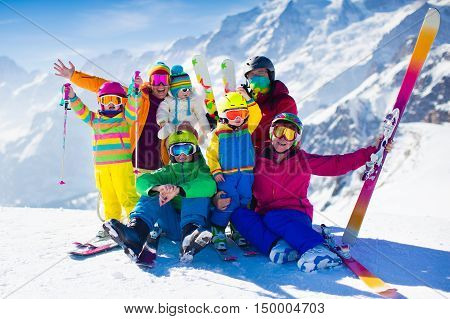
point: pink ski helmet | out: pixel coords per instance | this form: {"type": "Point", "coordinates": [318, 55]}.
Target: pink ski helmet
{"type": "Point", "coordinates": [112, 88]}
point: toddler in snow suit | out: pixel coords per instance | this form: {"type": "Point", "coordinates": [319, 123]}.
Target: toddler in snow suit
{"type": "Point", "coordinates": [174, 199]}
{"type": "Point", "coordinates": [114, 176]}
{"type": "Point", "coordinates": [183, 106]}
{"type": "Point", "coordinates": [231, 157]}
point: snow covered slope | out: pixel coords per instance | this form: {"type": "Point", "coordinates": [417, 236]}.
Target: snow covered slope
{"type": "Point", "coordinates": [404, 240]}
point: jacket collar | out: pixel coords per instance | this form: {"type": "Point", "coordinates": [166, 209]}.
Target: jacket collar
{"type": "Point", "coordinates": [270, 153]}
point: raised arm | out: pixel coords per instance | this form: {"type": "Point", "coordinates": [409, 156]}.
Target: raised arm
{"type": "Point", "coordinates": [81, 110]}
{"type": "Point", "coordinates": [254, 115]}
{"type": "Point", "coordinates": [335, 165]}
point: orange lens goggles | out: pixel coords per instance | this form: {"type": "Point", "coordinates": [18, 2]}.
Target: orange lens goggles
{"type": "Point", "coordinates": [282, 131]}
{"type": "Point", "coordinates": [114, 99]}
{"type": "Point", "coordinates": [233, 114]}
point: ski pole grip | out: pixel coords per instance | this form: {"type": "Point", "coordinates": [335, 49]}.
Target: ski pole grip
{"type": "Point", "coordinates": [136, 74]}
{"type": "Point", "coordinates": [66, 91]}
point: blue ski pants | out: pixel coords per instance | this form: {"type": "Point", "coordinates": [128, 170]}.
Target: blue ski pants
{"type": "Point", "coordinates": [263, 231]}
{"type": "Point", "coordinates": [238, 187]}
{"type": "Point", "coordinates": [171, 220]}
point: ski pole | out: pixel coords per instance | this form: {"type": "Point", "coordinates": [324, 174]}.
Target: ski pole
{"type": "Point", "coordinates": [136, 127]}
{"type": "Point", "coordinates": [66, 89]}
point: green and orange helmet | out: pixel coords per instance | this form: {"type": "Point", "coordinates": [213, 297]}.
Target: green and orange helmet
{"type": "Point", "coordinates": [288, 118]}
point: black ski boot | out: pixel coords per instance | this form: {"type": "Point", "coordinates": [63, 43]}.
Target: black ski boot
{"type": "Point", "coordinates": [193, 239]}
{"type": "Point", "coordinates": [148, 254]}
{"type": "Point", "coordinates": [130, 237]}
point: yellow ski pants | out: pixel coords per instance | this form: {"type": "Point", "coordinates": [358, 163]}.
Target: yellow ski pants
{"type": "Point", "coordinates": [116, 183]}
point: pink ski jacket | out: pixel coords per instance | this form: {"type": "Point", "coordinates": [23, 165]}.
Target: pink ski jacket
{"type": "Point", "coordinates": [285, 185]}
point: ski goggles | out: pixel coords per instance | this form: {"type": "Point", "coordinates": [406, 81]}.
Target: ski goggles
{"type": "Point", "coordinates": [233, 114]}
{"type": "Point", "coordinates": [159, 79]}
{"type": "Point", "coordinates": [185, 90]}
{"type": "Point", "coordinates": [114, 99]}
{"type": "Point", "coordinates": [182, 148]}
{"type": "Point", "coordinates": [289, 134]}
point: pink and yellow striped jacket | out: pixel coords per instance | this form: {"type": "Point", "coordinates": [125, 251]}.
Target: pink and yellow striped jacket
{"type": "Point", "coordinates": [111, 136]}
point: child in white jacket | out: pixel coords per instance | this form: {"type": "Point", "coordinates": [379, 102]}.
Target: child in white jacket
{"type": "Point", "coordinates": [183, 106]}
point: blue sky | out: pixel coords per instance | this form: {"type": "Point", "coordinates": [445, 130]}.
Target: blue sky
{"type": "Point", "coordinates": [99, 26]}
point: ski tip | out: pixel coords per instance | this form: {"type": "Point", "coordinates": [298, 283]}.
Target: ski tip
{"type": "Point", "coordinates": [432, 18]}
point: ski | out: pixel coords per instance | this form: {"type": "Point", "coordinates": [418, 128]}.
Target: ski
{"type": "Point", "coordinates": [228, 75]}
{"type": "Point", "coordinates": [373, 282]}
{"type": "Point", "coordinates": [204, 79]}
{"type": "Point", "coordinates": [247, 250]}
{"type": "Point", "coordinates": [92, 248]}
{"type": "Point", "coordinates": [424, 41]}
{"type": "Point", "coordinates": [224, 254]}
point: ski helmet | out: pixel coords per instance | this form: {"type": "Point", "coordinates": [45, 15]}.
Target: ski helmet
{"type": "Point", "coordinates": [112, 88]}
{"type": "Point", "coordinates": [260, 62]}
{"type": "Point", "coordinates": [231, 100]}
{"type": "Point", "coordinates": [181, 136]}
{"type": "Point", "coordinates": [290, 118]}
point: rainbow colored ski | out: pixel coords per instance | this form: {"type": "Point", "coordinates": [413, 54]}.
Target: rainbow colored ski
{"type": "Point", "coordinates": [425, 39]}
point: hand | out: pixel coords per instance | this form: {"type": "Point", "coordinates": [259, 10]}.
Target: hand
{"type": "Point", "coordinates": [167, 193]}
{"type": "Point", "coordinates": [242, 92]}
{"type": "Point", "coordinates": [389, 145]}
{"type": "Point", "coordinates": [71, 92]}
{"type": "Point", "coordinates": [64, 71]}
{"type": "Point", "coordinates": [219, 202]}
{"type": "Point", "coordinates": [219, 178]}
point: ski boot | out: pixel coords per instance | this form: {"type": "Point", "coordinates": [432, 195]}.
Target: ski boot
{"type": "Point", "coordinates": [219, 238]}
{"type": "Point", "coordinates": [148, 253]}
{"type": "Point", "coordinates": [318, 257]}
{"type": "Point", "coordinates": [282, 253]}
{"type": "Point", "coordinates": [193, 239]}
{"type": "Point", "coordinates": [130, 237]}
{"type": "Point", "coordinates": [237, 237]}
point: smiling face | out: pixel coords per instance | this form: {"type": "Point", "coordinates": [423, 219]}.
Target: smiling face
{"type": "Point", "coordinates": [160, 91]}
{"type": "Point", "coordinates": [238, 121]}
{"type": "Point", "coordinates": [281, 145]}
{"type": "Point", "coordinates": [183, 158]}
{"type": "Point", "coordinates": [112, 107]}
